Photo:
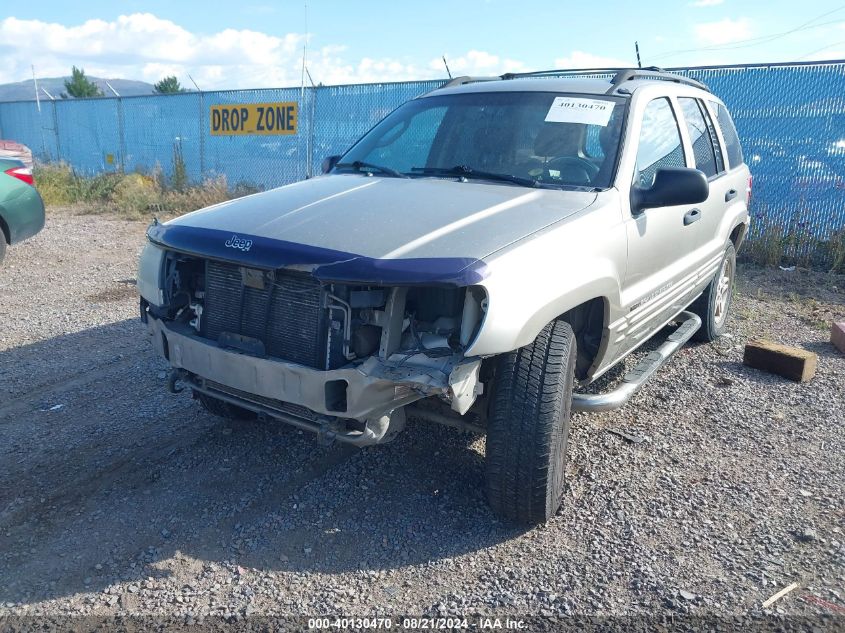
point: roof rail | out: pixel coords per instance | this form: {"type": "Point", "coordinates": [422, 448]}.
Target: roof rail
{"type": "Point", "coordinates": [559, 71]}
{"type": "Point", "coordinates": [652, 72]}
{"type": "Point", "coordinates": [620, 76]}
{"type": "Point", "coordinates": [460, 81]}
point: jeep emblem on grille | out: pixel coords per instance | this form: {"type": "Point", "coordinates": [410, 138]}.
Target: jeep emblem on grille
{"type": "Point", "coordinates": [237, 242]}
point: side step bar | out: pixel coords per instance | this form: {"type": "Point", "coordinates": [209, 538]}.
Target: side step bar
{"type": "Point", "coordinates": [642, 371]}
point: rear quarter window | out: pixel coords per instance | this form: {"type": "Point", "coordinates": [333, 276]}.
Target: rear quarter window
{"type": "Point", "coordinates": [726, 123]}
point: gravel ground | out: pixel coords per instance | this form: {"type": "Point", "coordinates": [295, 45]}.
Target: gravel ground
{"type": "Point", "coordinates": [117, 498]}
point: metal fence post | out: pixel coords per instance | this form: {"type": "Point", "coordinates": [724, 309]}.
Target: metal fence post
{"type": "Point", "coordinates": [309, 148]}
{"type": "Point", "coordinates": [56, 131]}
{"type": "Point", "coordinates": [121, 134]}
{"type": "Point", "coordinates": [202, 132]}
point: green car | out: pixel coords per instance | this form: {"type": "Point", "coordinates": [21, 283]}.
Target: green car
{"type": "Point", "coordinates": [21, 208]}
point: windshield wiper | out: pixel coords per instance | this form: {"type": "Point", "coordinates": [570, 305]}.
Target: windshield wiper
{"type": "Point", "coordinates": [359, 165]}
{"type": "Point", "coordinates": [466, 171]}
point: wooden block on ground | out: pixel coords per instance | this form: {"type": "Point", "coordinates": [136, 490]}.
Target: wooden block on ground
{"type": "Point", "coordinates": [790, 362]}
{"type": "Point", "coordinates": [837, 335]}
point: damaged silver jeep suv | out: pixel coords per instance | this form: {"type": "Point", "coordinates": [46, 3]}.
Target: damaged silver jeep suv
{"type": "Point", "coordinates": [476, 259]}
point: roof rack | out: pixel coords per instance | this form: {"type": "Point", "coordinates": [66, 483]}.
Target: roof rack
{"type": "Point", "coordinates": [620, 76]}
{"type": "Point", "coordinates": [460, 81]}
{"type": "Point", "coordinates": [559, 71]}
{"type": "Point", "coordinates": [652, 72]}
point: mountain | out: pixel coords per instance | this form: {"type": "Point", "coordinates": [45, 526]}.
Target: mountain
{"type": "Point", "coordinates": [24, 90]}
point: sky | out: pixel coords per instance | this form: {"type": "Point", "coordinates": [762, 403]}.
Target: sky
{"type": "Point", "coordinates": [256, 44]}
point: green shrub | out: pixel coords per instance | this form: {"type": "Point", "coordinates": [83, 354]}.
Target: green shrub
{"type": "Point", "coordinates": [56, 183]}
{"type": "Point", "coordinates": [136, 195]}
{"type": "Point", "coordinates": [836, 249]}
{"type": "Point", "coordinates": [212, 191]}
{"type": "Point", "coordinates": [179, 179]}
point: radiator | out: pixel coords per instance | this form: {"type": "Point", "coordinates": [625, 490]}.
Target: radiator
{"type": "Point", "coordinates": [280, 308]}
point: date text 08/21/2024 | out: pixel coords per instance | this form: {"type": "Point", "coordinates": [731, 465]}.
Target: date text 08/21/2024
{"type": "Point", "coordinates": [417, 623]}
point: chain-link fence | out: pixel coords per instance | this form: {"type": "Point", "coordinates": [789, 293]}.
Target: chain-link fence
{"type": "Point", "coordinates": [791, 119]}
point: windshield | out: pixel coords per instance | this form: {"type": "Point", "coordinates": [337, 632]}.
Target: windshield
{"type": "Point", "coordinates": [540, 139]}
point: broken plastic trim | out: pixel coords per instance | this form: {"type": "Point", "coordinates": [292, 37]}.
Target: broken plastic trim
{"type": "Point", "coordinates": [331, 265]}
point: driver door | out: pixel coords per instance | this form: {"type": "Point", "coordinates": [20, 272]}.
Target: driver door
{"type": "Point", "coordinates": [660, 242]}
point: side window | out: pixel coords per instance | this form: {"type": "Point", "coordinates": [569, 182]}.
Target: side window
{"type": "Point", "coordinates": [660, 142]}
{"type": "Point", "coordinates": [726, 123]}
{"type": "Point", "coordinates": [703, 147]}
{"type": "Point", "coordinates": [720, 158]}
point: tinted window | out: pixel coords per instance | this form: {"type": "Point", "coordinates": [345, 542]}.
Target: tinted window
{"type": "Point", "coordinates": [660, 142]}
{"type": "Point", "coordinates": [720, 159]}
{"type": "Point", "coordinates": [732, 145]}
{"type": "Point", "coordinates": [699, 134]}
{"type": "Point", "coordinates": [525, 134]}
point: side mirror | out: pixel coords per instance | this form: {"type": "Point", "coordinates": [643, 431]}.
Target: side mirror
{"type": "Point", "coordinates": [328, 163]}
{"type": "Point", "coordinates": [672, 186]}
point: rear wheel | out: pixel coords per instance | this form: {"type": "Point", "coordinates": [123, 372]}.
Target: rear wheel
{"type": "Point", "coordinates": [714, 305]}
{"type": "Point", "coordinates": [224, 409]}
{"type": "Point", "coordinates": [528, 427]}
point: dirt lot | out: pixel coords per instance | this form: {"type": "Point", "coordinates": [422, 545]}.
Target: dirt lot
{"type": "Point", "coordinates": [118, 498]}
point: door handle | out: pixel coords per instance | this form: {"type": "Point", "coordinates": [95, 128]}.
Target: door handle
{"type": "Point", "coordinates": [693, 215]}
{"type": "Point", "coordinates": [730, 195]}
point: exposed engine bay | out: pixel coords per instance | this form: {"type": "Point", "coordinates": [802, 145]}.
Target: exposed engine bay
{"type": "Point", "coordinates": [411, 337]}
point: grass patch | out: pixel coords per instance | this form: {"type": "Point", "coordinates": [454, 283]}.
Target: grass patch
{"type": "Point", "coordinates": [135, 195]}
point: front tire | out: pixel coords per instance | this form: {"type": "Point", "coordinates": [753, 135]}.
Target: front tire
{"type": "Point", "coordinates": [528, 427]}
{"type": "Point", "coordinates": [714, 305]}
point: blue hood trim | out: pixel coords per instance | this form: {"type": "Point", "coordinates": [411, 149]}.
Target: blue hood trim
{"type": "Point", "coordinates": [331, 265]}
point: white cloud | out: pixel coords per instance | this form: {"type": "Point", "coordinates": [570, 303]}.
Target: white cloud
{"type": "Point", "coordinates": [147, 47]}
{"type": "Point", "coordinates": [706, 3]}
{"type": "Point", "coordinates": [824, 55]}
{"type": "Point", "coordinates": [476, 63]}
{"type": "Point", "coordinates": [144, 46]}
{"type": "Point", "coordinates": [580, 59]}
{"type": "Point", "coordinates": [724, 31]}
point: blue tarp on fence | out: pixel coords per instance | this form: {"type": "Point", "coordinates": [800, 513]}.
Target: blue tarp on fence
{"type": "Point", "coordinates": [791, 119]}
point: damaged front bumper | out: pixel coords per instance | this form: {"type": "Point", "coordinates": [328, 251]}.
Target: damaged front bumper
{"type": "Point", "coordinates": [372, 392]}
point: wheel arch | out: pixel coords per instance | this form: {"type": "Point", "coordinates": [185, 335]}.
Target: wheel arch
{"type": "Point", "coordinates": [4, 227]}
{"type": "Point", "coordinates": [738, 234]}
{"type": "Point", "coordinates": [589, 321]}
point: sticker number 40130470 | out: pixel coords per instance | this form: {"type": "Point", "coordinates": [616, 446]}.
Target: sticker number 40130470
{"type": "Point", "coordinates": [579, 110]}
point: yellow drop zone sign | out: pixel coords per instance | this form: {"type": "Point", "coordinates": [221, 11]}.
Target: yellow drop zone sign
{"type": "Point", "coordinates": [254, 118]}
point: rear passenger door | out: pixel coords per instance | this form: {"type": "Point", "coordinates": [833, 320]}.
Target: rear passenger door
{"type": "Point", "coordinates": [706, 243]}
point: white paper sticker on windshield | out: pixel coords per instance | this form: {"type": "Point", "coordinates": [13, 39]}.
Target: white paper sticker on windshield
{"type": "Point", "coordinates": [578, 110]}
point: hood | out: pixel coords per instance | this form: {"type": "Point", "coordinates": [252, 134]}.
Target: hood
{"type": "Point", "coordinates": [343, 222]}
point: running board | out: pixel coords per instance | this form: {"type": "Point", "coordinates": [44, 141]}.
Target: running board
{"type": "Point", "coordinates": [642, 371]}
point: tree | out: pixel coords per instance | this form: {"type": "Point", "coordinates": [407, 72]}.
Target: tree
{"type": "Point", "coordinates": [168, 85]}
{"type": "Point", "coordinates": [80, 86]}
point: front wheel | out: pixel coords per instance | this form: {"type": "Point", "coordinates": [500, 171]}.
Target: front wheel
{"type": "Point", "coordinates": [528, 426]}
{"type": "Point", "coordinates": [714, 305]}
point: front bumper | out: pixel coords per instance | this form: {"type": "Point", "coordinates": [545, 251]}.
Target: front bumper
{"type": "Point", "coordinates": [371, 390]}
